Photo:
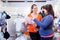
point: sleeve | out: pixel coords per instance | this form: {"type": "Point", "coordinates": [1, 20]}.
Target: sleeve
{"type": "Point", "coordinates": [45, 23]}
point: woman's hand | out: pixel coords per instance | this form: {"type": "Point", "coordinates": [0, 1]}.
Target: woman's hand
{"type": "Point", "coordinates": [36, 30]}
{"type": "Point", "coordinates": [24, 23]}
{"type": "Point", "coordinates": [29, 20]}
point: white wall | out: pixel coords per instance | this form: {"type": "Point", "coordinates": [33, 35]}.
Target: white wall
{"type": "Point", "coordinates": [21, 8]}
{"type": "Point", "coordinates": [24, 8]}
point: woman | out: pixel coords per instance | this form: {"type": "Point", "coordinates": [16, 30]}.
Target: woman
{"type": "Point", "coordinates": [42, 13]}
{"type": "Point", "coordinates": [46, 23]}
{"type": "Point", "coordinates": [32, 29]}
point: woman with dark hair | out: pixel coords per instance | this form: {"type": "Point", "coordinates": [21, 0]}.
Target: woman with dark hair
{"type": "Point", "coordinates": [42, 13]}
{"type": "Point", "coordinates": [32, 29]}
{"type": "Point", "coordinates": [46, 24]}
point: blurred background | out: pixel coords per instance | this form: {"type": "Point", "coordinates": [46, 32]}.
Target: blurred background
{"type": "Point", "coordinates": [16, 8]}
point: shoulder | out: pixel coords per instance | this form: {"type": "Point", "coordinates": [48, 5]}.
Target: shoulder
{"type": "Point", "coordinates": [49, 17]}
{"type": "Point", "coordinates": [29, 14]}
{"type": "Point", "coordinates": [39, 15]}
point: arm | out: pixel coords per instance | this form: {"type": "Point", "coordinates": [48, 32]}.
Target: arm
{"type": "Point", "coordinates": [45, 23]}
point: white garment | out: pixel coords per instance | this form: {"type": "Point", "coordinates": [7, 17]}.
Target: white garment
{"type": "Point", "coordinates": [1, 36]}
{"type": "Point", "coordinates": [19, 25]}
{"type": "Point", "coordinates": [23, 37]}
{"type": "Point", "coordinates": [11, 28]}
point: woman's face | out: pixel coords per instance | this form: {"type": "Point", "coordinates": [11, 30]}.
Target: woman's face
{"type": "Point", "coordinates": [45, 11]}
{"type": "Point", "coordinates": [35, 9]}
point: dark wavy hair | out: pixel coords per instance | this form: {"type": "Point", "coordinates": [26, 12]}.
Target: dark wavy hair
{"type": "Point", "coordinates": [49, 9]}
